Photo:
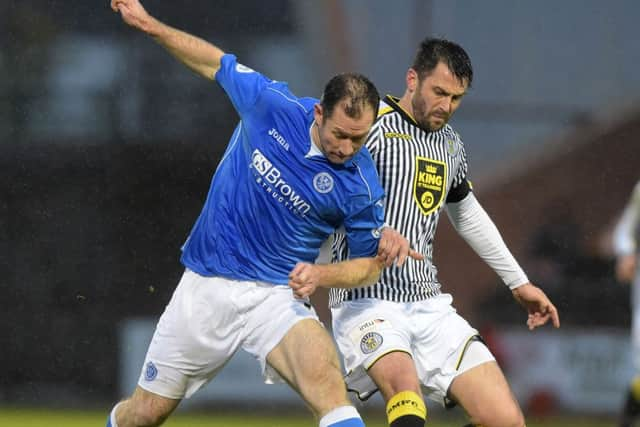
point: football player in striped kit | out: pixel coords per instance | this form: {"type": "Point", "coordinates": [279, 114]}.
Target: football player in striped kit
{"type": "Point", "coordinates": [625, 245]}
{"type": "Point", "coordinates": [292, 173]}
{"type": "Point", "coordinates": [402, 336]}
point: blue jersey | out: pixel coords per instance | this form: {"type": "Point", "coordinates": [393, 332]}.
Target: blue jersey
{"type": "Point", "coordinates": [273, 199]}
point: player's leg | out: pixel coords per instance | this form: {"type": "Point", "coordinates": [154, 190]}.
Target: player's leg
{"type": "Point", "coordinates": [306, 358]}
{"type": "Point", "coordinates": [374, 338]}
{"type": "Point", "coordinates": [395, 375]}
{"type": "Point", "coordinates": [453, 365]}
{"type": "Point", "coordinates": [196, 335]}
{"type": "Point", "coordinates": [143, 408]}
{"type": "Point", "coordinates": [485, 395]}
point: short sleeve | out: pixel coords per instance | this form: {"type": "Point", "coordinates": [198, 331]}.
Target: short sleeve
{"type": "Point", "coordinates": [241, 84]}
{"type": "Point", "coordinates": [364, 225]}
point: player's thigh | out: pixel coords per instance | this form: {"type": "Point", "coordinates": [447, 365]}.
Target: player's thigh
{"type": "Point", "coordinates": [372, 332]}
{"type": "Point", "coordinates": [485, 395]}
{"type": "Point", "coordinates": [395, 372]}
{"type": "Point", "coordinates": [307, 359]}
{"type": "Point", "coordinates": [197, 334]}
{"type": "Point", "coordinates": [146, 408]}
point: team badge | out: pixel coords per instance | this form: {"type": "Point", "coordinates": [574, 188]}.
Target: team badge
{"type": "Point", "coordinates": [150, 372]}
{"type": "Point", "coordinates": [429, 184]}
{"type": "Point", "coordinates": [323, 182]}
{"type": "Point", "coordinates": [243, 69]}
{"type": "Point", "coordinates": [453, 147]}
{"type": "Point", "coordinates": [370, 342]}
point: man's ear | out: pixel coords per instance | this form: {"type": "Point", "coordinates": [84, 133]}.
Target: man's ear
{"type": "Point", "coordinates": [412, 80]}
{"type": "Point", "coordinates": [318, 113]}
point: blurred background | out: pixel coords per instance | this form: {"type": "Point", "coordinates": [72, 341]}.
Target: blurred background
{"type": "Point", "coordinates": [107, 147]}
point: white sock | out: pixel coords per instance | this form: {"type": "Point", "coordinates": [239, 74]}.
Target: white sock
{"type": "Point", "coordinates": [339, 414]}
{"type": "Point", "coordinates": [112, 416]}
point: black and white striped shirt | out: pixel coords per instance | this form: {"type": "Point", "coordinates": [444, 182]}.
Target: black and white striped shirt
{"type": "Point", "coordinates": [420, 171]}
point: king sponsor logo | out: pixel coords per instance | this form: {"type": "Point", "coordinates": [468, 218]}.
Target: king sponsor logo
{"type": "Point", "coordinates": [269, 178]}
{"type": "Point", "coordinates": [429, 184]}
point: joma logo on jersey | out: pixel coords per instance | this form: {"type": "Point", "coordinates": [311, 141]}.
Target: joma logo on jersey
{"type": "Point", "coordinates": [276, 135]}
{"type": "Point", "coordinates": [429, 184]}
{"type": "Point", "coordinates": [268, 176]}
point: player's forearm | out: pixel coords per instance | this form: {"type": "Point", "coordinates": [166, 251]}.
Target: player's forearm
{"type": "Point", "coordinates": [352, 273]}
{"type": "Point", "coordinates": [474, 225]}
{"type": "Point", "coordinates": [196, 53]}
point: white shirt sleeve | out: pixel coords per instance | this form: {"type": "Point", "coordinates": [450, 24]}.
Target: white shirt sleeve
{"type": "Point", "coordinates": [624, 235]}
{"type": "Point", "coordinates": [474, 225]}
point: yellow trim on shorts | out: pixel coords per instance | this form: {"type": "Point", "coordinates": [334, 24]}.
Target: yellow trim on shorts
{"type": "Point", "coordinates": [384, 354]}
{"type": "Point", "coordinates": [466, 346]}
{"type": "Point", "coordinates": [405, 403]}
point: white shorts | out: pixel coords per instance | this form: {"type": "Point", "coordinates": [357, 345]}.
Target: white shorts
{"type": "Point", "coordinates": [430, 331]}
{"type": "Point", "coordinates": [207, 320]}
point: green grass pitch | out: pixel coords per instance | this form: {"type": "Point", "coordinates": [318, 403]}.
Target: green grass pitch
{"type": "Point", "coordinates": [10, 417]}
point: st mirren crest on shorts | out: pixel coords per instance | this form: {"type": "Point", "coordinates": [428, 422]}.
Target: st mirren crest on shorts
{"type": "Point", "coordinates": [429, 184]}
{"type": "Point", "coordinates": [370, 342]}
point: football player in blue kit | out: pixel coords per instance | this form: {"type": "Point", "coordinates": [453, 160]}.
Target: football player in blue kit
{"type": "Point", "coordinates": [292, 174]}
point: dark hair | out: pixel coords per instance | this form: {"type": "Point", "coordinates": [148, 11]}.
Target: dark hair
{"type": "Point", "coordinates": [434, 50]}
{"type": "Point", "coordinates": [355, 90]}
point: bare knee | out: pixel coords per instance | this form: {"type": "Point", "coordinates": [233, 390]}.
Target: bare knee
{"type": "Point", "coordinates": [307, 359]}
{"type": "Point", "coordinates": [486, 397]}
{"type": "Point", "coordinates": [394, 373]}
{"type": "Point", "coordinates": [326, 381]}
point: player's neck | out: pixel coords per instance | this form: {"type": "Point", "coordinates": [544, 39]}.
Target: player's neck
{"type": "Point", "coordinates": [314, 133]}
{"type": "Point", "coordinates": [405, 104]}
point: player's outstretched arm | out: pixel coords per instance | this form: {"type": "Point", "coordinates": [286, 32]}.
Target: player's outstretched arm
{"type": "Point", "coordinates": [538, 306]}
{"type": "Point", "coordinates": [305, 278]}
{"type": "Point", "coordinates": [196, 53]}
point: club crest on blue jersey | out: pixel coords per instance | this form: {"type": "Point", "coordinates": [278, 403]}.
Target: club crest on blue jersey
{"type": "Point", "coordinates": [243, 69]}
{"type": "Point", "coordinates": [323, 182]}
{"type": "Point", "coordinates": [150, 372]}
{"type": "Point", "coordinates": [429, 184]}
{"type": "Point", "coordinates": [370, 342]}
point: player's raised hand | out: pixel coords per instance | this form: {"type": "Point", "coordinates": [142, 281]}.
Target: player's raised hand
{"type": "Point", "coordinates": [303, 280]}
{"type": "Point", "coordinates": [394, 247]}
{"type": "Point", "coordinates": [538, 306]}
{"type": "Point", "coordinates": [133, 13]}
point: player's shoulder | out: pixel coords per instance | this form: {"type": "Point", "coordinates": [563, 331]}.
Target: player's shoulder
{"type": "Point", "coordinates": [448, 131]}
{"type": "Point", "coordinates": [453, 141]}
{"type": "Point", "coordinates": [385, 112]}
{"type": "Point", "coordinates": [366, 165]}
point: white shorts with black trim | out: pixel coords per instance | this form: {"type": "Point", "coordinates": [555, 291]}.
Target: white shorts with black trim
{"type": "Point", "coordinates": [207, 320]}
{"type": "Point", "coordinates": [431, 331]}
